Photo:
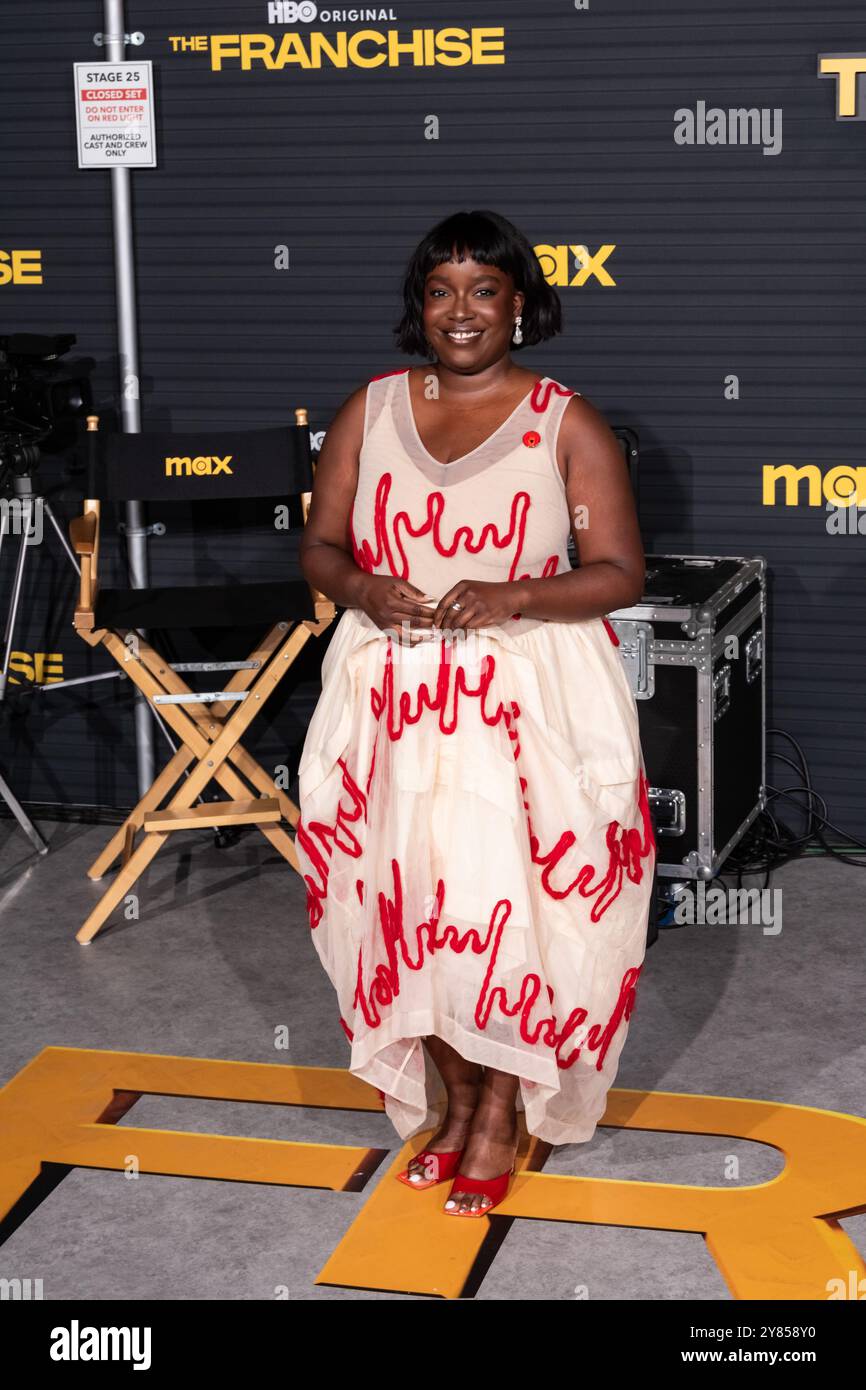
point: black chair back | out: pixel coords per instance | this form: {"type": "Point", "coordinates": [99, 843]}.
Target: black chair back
{"type": "Point", "coordinates": [199, 464]}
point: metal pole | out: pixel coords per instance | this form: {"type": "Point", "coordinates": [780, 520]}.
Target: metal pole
{"type": "Point", "coordinates": [127, 342]}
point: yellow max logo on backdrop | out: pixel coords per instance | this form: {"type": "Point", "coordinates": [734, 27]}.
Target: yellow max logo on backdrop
{"type": "Point", "coordinates": [842, 486]}
{"type": "Point", "coordinates": [847, 68]}
{"type": "Point", "coordinates": [204, 466]}
{"type": "Point", "coordinates": [20, 267]}
{"type": "Point", "coordinates": [37, 668]}
{"type": "Point", "coordinates": [366, 48]}
{"type": "Point", "coordinates": [573, 265]}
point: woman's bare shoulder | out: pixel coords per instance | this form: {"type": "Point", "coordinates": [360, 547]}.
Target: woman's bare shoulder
{"type": "Point", "coordinates": [584, 424]}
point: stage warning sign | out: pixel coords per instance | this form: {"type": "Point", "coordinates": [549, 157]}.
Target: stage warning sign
{"type": "Point", "coordinates": [114, 115]}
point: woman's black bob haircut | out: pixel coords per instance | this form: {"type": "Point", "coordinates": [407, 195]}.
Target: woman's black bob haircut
{"type": "Point", "coordinates": [490, 239]}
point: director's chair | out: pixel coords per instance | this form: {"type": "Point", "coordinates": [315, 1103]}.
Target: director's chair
{"type": "Point", "coordinates": [198, 466]}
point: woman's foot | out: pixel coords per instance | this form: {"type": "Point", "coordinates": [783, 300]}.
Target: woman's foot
{"type": "Point", "coordinates": [490, 1151]}
{"type": "Point", "coordinates": [452, 1134]}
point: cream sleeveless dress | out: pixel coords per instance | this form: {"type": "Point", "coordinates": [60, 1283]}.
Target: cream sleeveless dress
{"type": "Point", "coordinates": [475, 836]}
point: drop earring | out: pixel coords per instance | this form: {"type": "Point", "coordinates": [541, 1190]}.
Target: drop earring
{"type": "Point", "coordinates": [517, 336]}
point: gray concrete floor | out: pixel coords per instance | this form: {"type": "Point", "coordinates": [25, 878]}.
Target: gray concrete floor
{"type": "Point", "coordinates": [221, 957]}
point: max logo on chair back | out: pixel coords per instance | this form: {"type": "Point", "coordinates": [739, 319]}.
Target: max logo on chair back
{"type": "Point", "coordinates": [203, 466]}
{"type": "Point", "coordinates": [190, 465]}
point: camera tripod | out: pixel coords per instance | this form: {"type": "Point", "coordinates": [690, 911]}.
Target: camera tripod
{"type": "Point", "coordinates": [30, 509]}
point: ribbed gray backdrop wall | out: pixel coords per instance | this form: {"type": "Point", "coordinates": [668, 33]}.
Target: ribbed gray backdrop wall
{"type": "Point", "coordinates": [726, 261]}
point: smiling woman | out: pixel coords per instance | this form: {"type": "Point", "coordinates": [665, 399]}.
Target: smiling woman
{"type": "Point", "coordinates": [475, 833]}
{"type": "Point", "coordinates": [497, 262]}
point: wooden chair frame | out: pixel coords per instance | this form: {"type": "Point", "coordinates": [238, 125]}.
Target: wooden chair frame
{"type": "Point", "coordinates": [210, 729]}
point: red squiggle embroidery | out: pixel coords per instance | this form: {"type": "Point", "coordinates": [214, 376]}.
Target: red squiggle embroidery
{"type": "Point", "coordinates": [339, 834]}
{"type": "Point", "coordinates": [625, 851]}
{"type": "Point", "coordinates": [520, 504]}
{"type": "Point", "coordinates": [388, 545]}
{"type": "Point", "coordinates": [625, 847]}
{"type": "Point", "coordinates": [384, 985]}
{"type": "Point", "coordinates": [540, 398]}
{"type": "Point", "coordinates": [399, 714]}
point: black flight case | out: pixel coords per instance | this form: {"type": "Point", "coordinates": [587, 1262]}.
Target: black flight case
{"type": "Point", "coordinates": [693, 649]}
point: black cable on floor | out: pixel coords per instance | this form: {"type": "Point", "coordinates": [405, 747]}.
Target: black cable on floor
{"type": "Point", "coordinates": [769, 843]}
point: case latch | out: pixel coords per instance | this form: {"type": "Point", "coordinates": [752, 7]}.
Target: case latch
{"type": "Point", "coordinates": [754, 656]}
{"type": "Point", "coordinates": [669, 810]}
{"type": "Point", "coordinates": [634, 645]}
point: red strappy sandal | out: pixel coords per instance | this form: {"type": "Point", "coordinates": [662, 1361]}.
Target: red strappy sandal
{"type": "Point", "coordinates": [493, 1188]}
{"type": "Point", "coordinates": [440, 1166]}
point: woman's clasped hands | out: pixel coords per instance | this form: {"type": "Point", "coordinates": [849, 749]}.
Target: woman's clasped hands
{"type": "Point", "coordinates": [411, 616]}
